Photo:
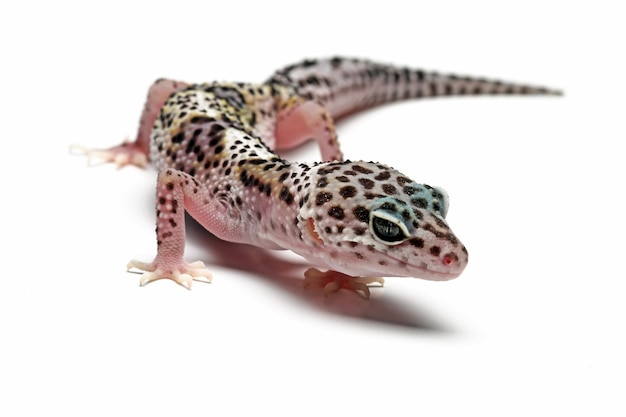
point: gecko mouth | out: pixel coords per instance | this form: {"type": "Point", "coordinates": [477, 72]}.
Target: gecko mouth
{"type": "Point", "coordinates": [432, 275]}
{"type": "Point", "coordinates": [422, 271]}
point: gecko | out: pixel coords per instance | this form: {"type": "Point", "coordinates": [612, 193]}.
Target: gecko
{"type": "Point", "coordinates": [215, 147]}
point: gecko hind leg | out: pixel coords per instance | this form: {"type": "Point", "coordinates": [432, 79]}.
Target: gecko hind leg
{"type": "Point", "coordinates": [128, 153]}
{"type": "Point", "coordinates": [300, 120]}
{"type": "Point", "coordinates": [333, 281]}
{"type": "Point", "coordinates": [137, 152]}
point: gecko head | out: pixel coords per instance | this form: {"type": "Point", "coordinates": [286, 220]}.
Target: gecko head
{"type": "Point", "coordinates": [375, 221]}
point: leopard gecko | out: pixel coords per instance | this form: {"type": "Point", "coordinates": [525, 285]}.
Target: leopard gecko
{"type": "Point", "coordinates": [214, 147]}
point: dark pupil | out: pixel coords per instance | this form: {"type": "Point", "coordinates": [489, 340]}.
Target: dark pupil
{"type": "Point", "coordinates": [386, 230]}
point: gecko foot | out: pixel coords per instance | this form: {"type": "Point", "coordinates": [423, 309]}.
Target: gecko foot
{"type": "Point", "coordinates": [128, 153]}
{"type": "Point", "coordinates": [333, 281]}
{"type": "Point", "coordinates": [184, 274]}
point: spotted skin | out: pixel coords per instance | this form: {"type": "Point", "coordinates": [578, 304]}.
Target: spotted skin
{"type": "Point", "coordinates": [214, 146]}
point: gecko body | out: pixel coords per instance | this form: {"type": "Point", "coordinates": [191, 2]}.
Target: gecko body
{"type": "Point", "coordinates": [214, 146]}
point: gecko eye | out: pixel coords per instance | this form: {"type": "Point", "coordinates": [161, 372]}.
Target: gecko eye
{"type": "Point", "coordinates": [387, 228]}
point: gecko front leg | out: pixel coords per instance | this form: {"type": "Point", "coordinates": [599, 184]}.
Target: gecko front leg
{"type": "Point", "coordinates": [333, 281]}
{"type": "Point", "coordinates": [174, 189]}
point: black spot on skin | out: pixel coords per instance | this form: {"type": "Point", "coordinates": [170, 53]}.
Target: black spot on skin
{"type": "Point", "coordinates": [178, 138]}
{"type": "Point", "coordinates": [435, 250]}
{"type": "Point", "coordinates": [359, 231]}
{"type": "Point", "coordinates": [347, 191]}
{"type": "Point", "coordinates": [441, 223]}
{"type": "Point", "coordinates": [383, 176]}
{"type": "Point", "coordinates": [417, 242]}
{"type": "Point", "coordinates": [307, 63]}
{"type": "Point", "coordinates": [420, 202]}
{"type": "Point", "coordinates": [328, 170]}
{"type": "Point", "coordinates": [342, 178]}
{"type": "Point", "coordinates": [202, 119]}
{"type": "Point", "coordinates": [283, 176]}
{"type": "Point", "coordinates": [389, 189]}
{"type": "Point", "coordinates": [358, 255]}
{"type": "Point", "coordinates": [170, 186]}
{"type": "Point", "coordinates": [418, 214]}
{"type": "Point", "coordinates": [408, 190]}
{"type": "Point", "coordinates": [172, 223]}
{"type": "Point", "coordinates": [190, 145]}
{"type": "Point", "coordinates": [322, 182]}
{"type": "Point", "coordinates": [336, 212]}
{"type": "Point", "coordinates": [402, 181]}
{"type": "Point", "coordinates": [362, 170]}
{"type": "Point", "coordinates": [323, 197]}
{"type": "Point", "coordinates": [286, 196]}
{"type": "Point", "coordinates": [438, 233]}
{"type": "Point", "coordinates": [366, 183]}
{"type": "Point", "coordinates": [361, 213]}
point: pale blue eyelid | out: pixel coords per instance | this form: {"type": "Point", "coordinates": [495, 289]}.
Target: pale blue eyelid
{"type": "Point", "coordinates": [444, 201]}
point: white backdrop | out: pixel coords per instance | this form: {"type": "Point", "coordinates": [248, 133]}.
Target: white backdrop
{"type": "Point", "coordinates": [535, 325]}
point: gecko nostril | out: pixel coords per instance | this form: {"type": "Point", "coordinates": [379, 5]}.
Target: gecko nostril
{"type": "Point", "coordinates": [449, 258]}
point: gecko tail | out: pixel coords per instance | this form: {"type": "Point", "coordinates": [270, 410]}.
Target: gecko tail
{"type": "Point", "coordinates": [346, 85]}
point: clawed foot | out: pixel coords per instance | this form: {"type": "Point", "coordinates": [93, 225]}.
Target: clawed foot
{"type": "Point", "coordinates": [333, 281]}
{"type": "Point", "coordinates": [128, 153]}
{"type": "Point", "coordinates": [183, 275]}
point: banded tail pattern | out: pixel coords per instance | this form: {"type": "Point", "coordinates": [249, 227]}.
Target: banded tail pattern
{"type": "Point", "coordinates": [345, 85]}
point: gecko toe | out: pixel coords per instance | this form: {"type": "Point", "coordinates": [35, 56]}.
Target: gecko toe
{"type": "Point", "coordinates": [333, 281]}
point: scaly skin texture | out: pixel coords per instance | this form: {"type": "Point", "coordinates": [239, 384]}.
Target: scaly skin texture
{"type": "Point", "coordinates": [213, 146]}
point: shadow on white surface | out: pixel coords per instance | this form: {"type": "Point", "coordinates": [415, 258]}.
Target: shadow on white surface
{"type": "Point", "coordinates": [287, 275]}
